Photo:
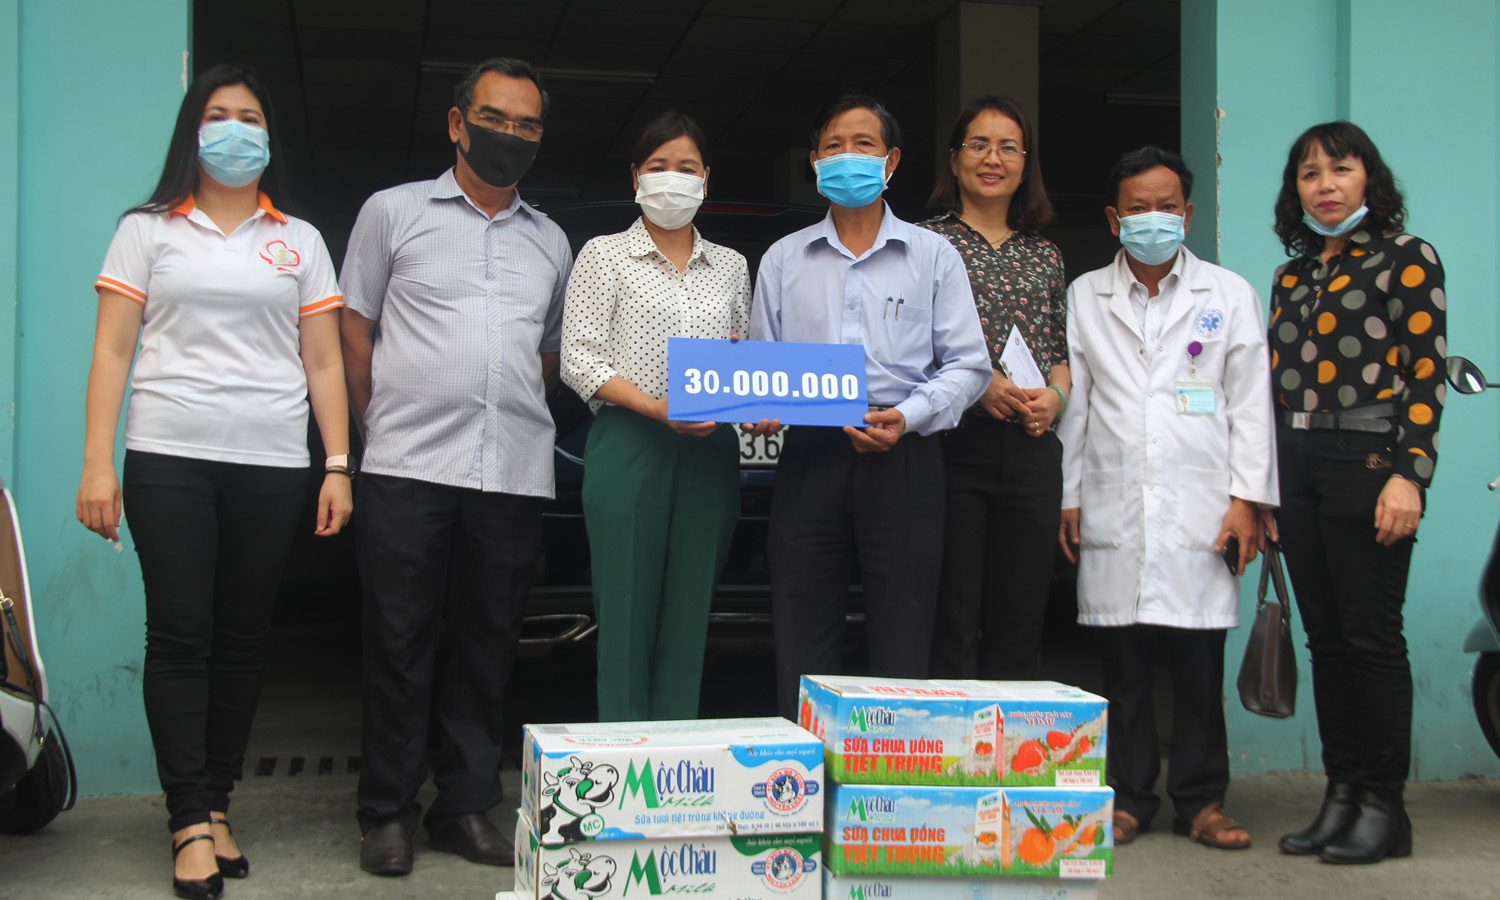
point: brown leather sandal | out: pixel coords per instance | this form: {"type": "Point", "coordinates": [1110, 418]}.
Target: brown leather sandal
{"type": "Point", "coordinates": [1208, 826]}
{"type": "Point", "coordinates": [1126, 827]}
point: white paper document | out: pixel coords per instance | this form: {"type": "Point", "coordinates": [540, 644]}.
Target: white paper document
{"type": "Point", "coordinates": [1017, 364]}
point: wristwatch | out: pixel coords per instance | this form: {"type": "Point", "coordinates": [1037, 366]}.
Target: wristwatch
{"type": "Point", "coordinates": [342, 464]}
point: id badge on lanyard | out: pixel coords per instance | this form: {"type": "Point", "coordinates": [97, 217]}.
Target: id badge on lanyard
{"type": "Point", "coordinates": [1195, 396]}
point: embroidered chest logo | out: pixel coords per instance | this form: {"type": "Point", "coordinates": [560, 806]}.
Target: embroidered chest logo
{"type": "Point", "coordinates": [278, 254]}
{"type": "Point", "coordinates": [1210, 323]}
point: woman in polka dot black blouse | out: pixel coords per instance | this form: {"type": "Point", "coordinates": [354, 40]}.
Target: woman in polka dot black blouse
{"type": "Point", "coordinates": [1358, 343]}
{"type": "Point", "coordinates": [660, 498]}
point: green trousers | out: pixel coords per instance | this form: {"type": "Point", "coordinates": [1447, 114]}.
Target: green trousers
{"type": "Point", "coordinates": [660, 509]}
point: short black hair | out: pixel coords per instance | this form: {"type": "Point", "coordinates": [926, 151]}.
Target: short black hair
{"type": "Point", "coordinates": [1144, 160]}
{"type": "Point", "coordinates": [463, 94]}
{"type": "Point", "coordinates": [890, 132]}
{"type": "Point", "coordinates": [669, 126]}
{"type": "Point", "coordinates": [1382, 194]}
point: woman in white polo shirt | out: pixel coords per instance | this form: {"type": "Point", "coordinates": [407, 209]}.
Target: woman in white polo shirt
{"type": "Point", "coordinates": [225, 296]}
{"type": "Point", "coordinates": [660, 498]}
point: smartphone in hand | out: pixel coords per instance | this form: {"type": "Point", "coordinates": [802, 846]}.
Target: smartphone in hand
{"type": "Point", "coordinates": [1232, 555]}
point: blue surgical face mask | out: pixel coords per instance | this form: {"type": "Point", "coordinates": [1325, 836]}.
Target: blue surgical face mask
{"type": "Point", "coordinates": [1152, 237]}
{"type": "Point", "coordinates": [851, 179]}
{"type": "Point", "coordinates": [232, 152]}
{"type": "Point", "coordinates": [1341, 228]}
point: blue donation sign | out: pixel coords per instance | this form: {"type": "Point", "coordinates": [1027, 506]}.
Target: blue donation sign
{"type": "Point", "coordinates": [746, 381]}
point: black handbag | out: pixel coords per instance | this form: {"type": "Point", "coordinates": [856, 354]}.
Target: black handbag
{"type": "Point", "coordinates": [1268, 675]}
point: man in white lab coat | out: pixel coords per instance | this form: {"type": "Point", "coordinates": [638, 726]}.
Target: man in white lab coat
{"type": "Point", "coordinates": [1167, 451]}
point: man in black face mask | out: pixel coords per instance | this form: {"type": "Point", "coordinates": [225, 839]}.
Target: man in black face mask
{"type": "Point", "coordinates": [465, 282]}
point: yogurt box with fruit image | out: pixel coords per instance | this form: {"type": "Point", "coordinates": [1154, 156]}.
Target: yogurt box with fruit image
{"type": "Point", "coordinates": [744, 867]}
{"type": "Point", "coordinates": [953, 732]}
{"type": "Point", "coordinates": [917, 887]}
{"type": "Point", "coordinates": [1036, 832]}
{"type": "Point", "coordinates": [613, 781]}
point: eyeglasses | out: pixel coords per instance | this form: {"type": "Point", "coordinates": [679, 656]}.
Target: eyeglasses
{"type": "Point", "coordinates": [981, 149]}
{"type": "Point", "coordinates": [526, 131]}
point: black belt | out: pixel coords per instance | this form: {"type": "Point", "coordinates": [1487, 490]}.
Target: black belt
{"type": "Point", "coordinates": [1375, 419]}
{"type": "Point", "coordinates": [978, 417]}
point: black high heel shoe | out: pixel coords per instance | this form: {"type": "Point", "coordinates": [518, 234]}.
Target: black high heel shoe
{"type": "Point", "coordinates": [1340, 809]}
{"type": "Point", "coordinates": [196, 888]}
{"type": "Point", "coordinates": [239, 866]}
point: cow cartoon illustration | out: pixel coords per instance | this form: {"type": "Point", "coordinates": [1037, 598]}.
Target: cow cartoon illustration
{"type": "Point", "coordinates": [785, 790]}
{"type": "Point", "coordinates": [783, 867]}
{"type": "Point", "coordinates": [583, 876]}
{"type": "Point", "coordinates": [573, 793]}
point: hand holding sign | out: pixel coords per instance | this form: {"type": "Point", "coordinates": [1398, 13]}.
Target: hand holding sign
{"type": "Point", "coordinates": [885, 428]}
{"type": "Point", "coordinates": [761, 428]}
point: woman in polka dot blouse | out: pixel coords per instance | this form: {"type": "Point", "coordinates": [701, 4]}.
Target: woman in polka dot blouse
{"type": "Point", "coordinates": [1357, 335]}
{"type": "Point", "coordinates": [660, 498]}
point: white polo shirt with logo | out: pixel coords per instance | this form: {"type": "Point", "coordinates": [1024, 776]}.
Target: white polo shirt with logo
{"type": "Point", "coordinates": [220, 375]}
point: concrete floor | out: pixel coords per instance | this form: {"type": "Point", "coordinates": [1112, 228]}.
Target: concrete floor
{"type": "Point", "coordinates": [300, 835]}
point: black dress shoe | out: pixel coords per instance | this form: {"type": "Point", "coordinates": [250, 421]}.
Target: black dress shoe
{"type": "Point", "coordinates": [474, 837]}
{"type": "Point", "coordinates": [1340, 809]}
{"type": "Point", "coordinates": [386, 849]}
{"type": "Point", "coordinates": [235, 867]}
{"type": "Point", "coordinates": [196, 888]}
{"type": "Point", "coordinates": [1381, 829]}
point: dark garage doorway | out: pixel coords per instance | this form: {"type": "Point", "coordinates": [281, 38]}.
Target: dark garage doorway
{"type": "Point", "coordinates": [362, 88]}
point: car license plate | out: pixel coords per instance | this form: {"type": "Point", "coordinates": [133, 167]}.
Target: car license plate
{"type": "Point", "coordinates": [761, 451]}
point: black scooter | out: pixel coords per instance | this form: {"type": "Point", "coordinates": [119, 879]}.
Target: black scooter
{"type": "Point", "coordinates": [37, 780]}
{"type": "Point", "coordinates": [1484, 637]}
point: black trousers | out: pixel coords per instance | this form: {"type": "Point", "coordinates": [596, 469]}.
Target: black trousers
{"type": "Point", "coordinates": [1003, 510]}
{"type": "Point", "coordinates": [212, 538]}
{"type": "Point", "coordinates": [1350, 590]}
{"type": "Point", "coordinates": [1198, 761]}
{"type": "Point", "coordinates": [445, 573]}
{"type": "Point", "coordinates": [830, 508]}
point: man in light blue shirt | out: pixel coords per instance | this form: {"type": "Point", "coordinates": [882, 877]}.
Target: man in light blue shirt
{"type": "Point", "coordinates": [452, 324]}
{"type": "Point", "coordinates": [870, 495]}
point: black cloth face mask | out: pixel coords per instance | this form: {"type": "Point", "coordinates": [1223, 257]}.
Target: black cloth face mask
{"type": "Point", "coordinates": [497, 157]}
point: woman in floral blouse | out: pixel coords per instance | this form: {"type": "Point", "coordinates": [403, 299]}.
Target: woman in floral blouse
{"type": "Point", "coordinates": [1358, 341]}
{"type": "Point", "coordinates": [1004, 461]}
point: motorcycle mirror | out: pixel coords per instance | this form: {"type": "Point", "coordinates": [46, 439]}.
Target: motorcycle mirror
{"type": "Point", "coordinates": [1465, 376]}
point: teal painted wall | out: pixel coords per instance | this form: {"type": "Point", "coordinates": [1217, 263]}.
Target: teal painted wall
{"type": "Point", "coordinates": [10, 183]}
{"type": "Point", "coordinates": [1428, 92]}
{"type": "Point", "coordinates": [99, 86]}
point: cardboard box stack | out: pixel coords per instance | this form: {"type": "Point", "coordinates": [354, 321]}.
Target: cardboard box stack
{"type": "Point", "coordinates": [732, 807]}
{"type": "Point", "coordinates": [938, 785]}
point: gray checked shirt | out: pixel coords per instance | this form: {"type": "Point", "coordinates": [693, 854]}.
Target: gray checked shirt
{"type": "Point", "coordinates": [465, 307]}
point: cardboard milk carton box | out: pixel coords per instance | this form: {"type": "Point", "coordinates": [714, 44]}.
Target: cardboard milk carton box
{"type": "Point", "coordinates": [917, 887]}
{"type": "Point", "coordinates": [970, 832]}
{"type": "Point", "coordinates": [902, 731]}
{"type": "Point", "coordinates": [743, 867]}
{"type": "Point", "coordinates": [612, 781]}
